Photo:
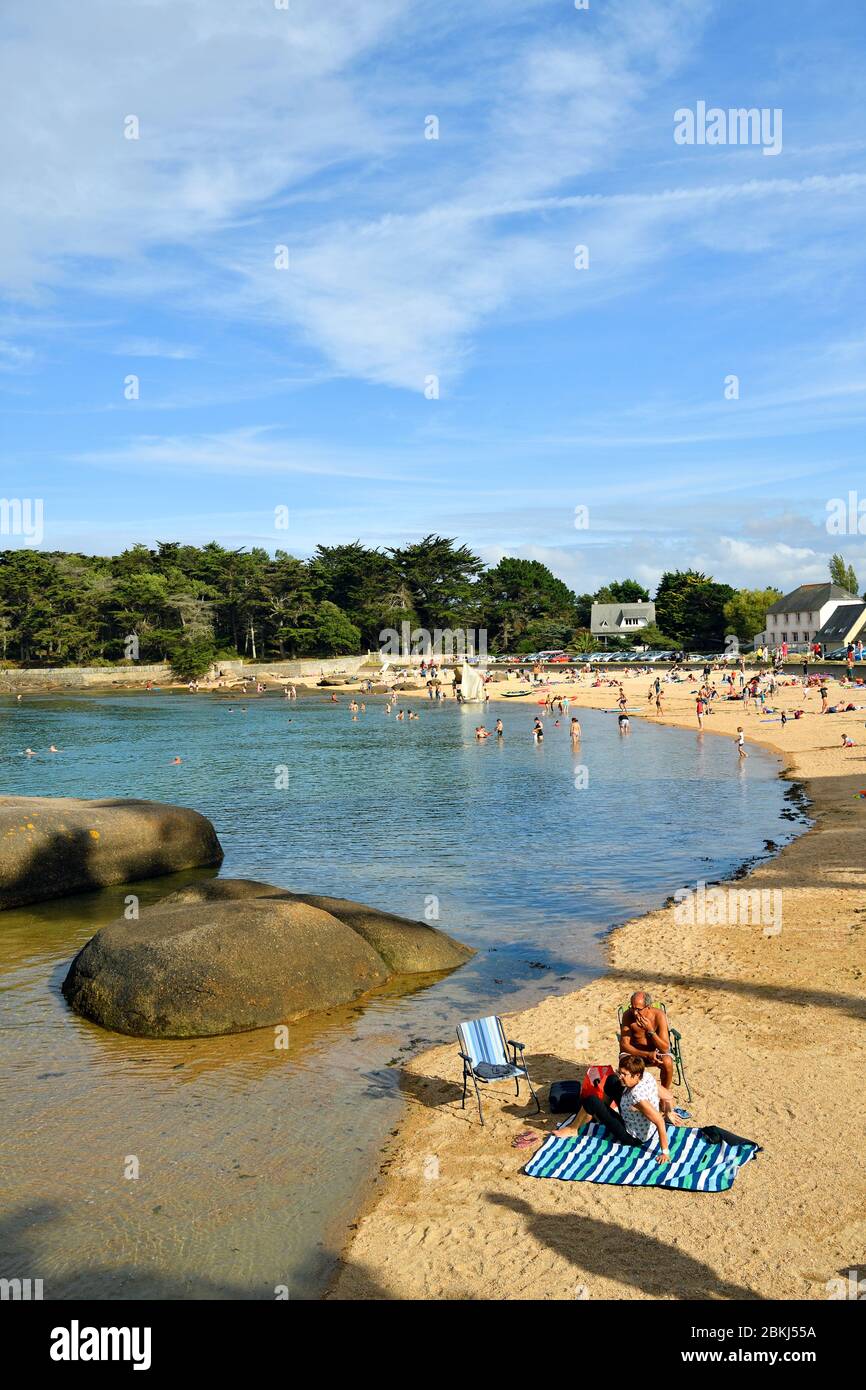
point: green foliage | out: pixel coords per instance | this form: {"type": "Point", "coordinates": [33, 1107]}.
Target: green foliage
{"type": "Point", "coordinates": [746, 612]}
{"type": "Point", "coordinates": [843, 574]}
{"type": "Point", "coordinates": [525, 607]}
{"type": "Point", "coordinates": [194, 604]}
{"type": "Point", "coordinates": [191, 659]}
{"type": "Point", "coordinates": [333, 634]}
{"type": "Point", "coordinates": [622, 591]}
{"type": "Point", "coordinates": [652, 636]}
{"type": "Point", "coordinates": [691, 608]}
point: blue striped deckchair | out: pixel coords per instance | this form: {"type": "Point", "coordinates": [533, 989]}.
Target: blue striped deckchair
{"type": "Point", "coordinates": [696, 1165]}
{"type": "Point", "coordinates": [484, 1050]}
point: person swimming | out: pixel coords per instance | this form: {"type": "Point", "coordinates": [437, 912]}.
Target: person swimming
{"type": "Point", "coordinates": [481, 732]}
{"type": "Point", "coordinates": [175, 761]}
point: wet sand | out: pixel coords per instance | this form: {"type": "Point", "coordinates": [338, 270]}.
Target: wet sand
{"type": "Point", "coordinates": [774, 1046]}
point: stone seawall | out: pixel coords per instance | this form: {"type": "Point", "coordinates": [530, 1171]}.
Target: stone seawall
{"type": "Point", "coordinates": [91, 677]}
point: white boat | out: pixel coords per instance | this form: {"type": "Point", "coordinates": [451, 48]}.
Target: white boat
{"type": "Point", "coordinates": [471, 686]}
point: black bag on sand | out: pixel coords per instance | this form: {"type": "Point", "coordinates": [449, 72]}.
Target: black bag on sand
{"type": "Point", "coordinates": [716, 1135]}
{"type": "Point", "coordinates": [564, 1098]}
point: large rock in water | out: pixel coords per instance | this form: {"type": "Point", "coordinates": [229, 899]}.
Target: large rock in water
{"type": "Point", "coordinates": [230, 955]}
{"type": "Point", "coordinates": [52, 846]}
{"type": "Point", "coordinates": [407, 947]}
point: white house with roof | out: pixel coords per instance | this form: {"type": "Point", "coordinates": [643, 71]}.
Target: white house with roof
{"type": "Point", "coordinates": [799, 616]}
{"type": "Point", "coordinates": [620, 619]}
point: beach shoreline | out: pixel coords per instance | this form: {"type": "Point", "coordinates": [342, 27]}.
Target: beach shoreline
{"type": "Point", "coordinates": [766, 1017]}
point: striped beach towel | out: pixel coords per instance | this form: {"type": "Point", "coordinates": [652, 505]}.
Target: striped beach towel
{"type": "Point", "coordinates": [696, 1164]}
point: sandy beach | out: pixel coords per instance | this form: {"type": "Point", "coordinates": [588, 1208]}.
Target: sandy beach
{"type": "Point", "coordinates": [773, 1044]}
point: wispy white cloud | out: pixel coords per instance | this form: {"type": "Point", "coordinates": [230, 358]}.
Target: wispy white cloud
{"type": "Point", "coordinates": [248, 451]}
{"type": "Point", "coordinates": [13, 357]}
{"type": "Point", "coordinates": [153, 347]}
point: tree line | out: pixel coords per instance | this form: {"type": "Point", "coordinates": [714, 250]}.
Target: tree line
{"type": "Point", "coordinates": [192, 605]}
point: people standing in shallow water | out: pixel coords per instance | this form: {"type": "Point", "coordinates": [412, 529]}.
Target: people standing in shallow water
{"type": "Point", "coordinates": [538, 731]}
{"type": "Point", "coordinates": [575, 729]}
{"type": "Point", "coordinates": [499, 729]}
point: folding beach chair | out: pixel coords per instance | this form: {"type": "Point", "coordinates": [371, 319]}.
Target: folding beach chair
{"type": "Point", "coordinates": [680, 1078]}
{"type": "Point", "coordinates": [484, 1050]}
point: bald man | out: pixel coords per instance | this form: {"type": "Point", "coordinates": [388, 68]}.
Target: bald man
{"type": "Point", "coordinates": [645, 1034]}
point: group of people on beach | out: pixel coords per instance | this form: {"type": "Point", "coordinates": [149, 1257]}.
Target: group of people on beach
{"type": "Point", "coordinates": [632, 1102]}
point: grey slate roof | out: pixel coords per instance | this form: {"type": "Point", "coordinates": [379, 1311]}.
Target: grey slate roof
{"type": "Point", "coordinates": [810, 597]}
{"type": "Point", "coordinates": [845, 625]}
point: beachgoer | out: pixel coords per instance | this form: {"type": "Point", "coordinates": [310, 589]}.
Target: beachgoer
{"type": "Point", "coordinates": [644, 1033]}
{"type": "Point", "coordinates": [499, 729]}
{"type": "Point", "coordinates": [481, 732]}
{"type": "Point", "coordinates": [636, 1092]}
{"type": "Point", "coordinates": [741, 742]}
{"type": "Point", "coordinates": [538, 731]}
{"type": "Point", "coordinates": [575, 729]}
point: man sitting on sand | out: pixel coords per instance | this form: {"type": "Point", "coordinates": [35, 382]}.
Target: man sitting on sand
{"type": "Point", "coordinates": [645, 1034]}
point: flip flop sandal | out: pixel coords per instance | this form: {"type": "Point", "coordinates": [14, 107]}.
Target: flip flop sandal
{"type": "Point", "coordinates": [525, 1140]}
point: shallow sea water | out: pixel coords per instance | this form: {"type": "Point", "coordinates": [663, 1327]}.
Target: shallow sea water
{"type": "Point", "coordinates": [252, 1160]}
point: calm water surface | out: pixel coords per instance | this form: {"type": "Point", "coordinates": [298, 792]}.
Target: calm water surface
{"type": "Point", "coordinates": [251, 1161]}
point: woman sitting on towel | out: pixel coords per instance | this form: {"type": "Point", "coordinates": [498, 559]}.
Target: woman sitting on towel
{"type": "Point", "coordinates": [637, 1094]}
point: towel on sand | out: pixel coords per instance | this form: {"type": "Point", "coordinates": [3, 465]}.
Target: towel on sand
{"type": "Point", "coordinates": [696, 1164]}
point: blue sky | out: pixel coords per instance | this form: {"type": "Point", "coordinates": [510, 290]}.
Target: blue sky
{"type": "Point", "coordinates": [559, 387]}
